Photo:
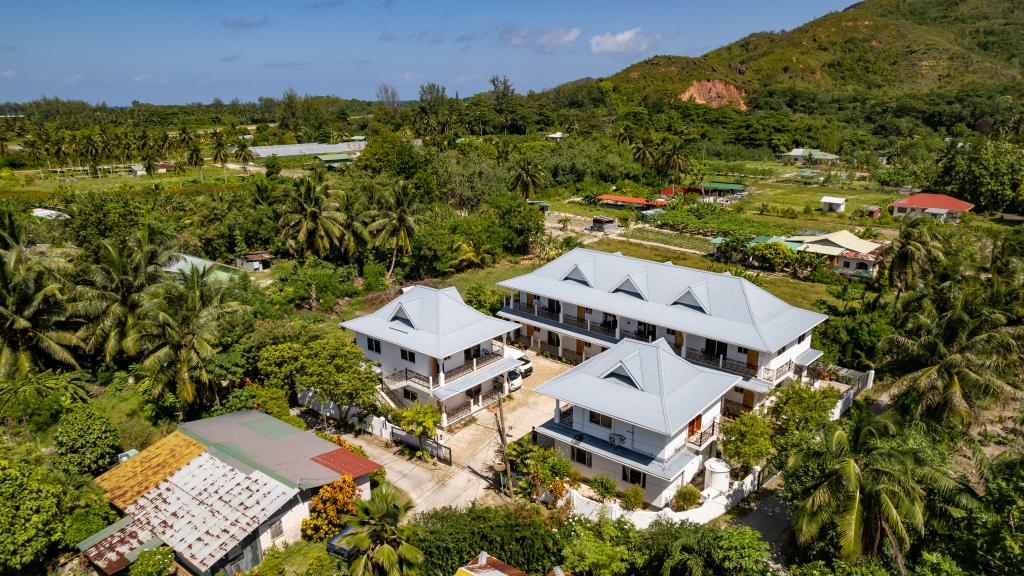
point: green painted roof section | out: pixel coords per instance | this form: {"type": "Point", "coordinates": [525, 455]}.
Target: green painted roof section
{"type": "Point", "coordinates": [271, 428]}
{"type": "Point", "coordinates": [340, 157]}
{"type": "Point", "coordinates": [102, 534]}
{"type": "Point", "coordinates": [724, 186]}
{"type": "Point", "coordinates": [719, 240]}
{"type": "Point", "coordinates": [225, 451]}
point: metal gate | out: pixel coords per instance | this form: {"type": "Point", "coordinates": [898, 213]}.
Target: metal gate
{"type": "Point", "coordinates": [433, 447]}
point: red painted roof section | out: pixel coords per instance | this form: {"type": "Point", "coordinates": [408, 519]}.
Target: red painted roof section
{"type": "Point", "coordinates": [631, 200]}
{"type": "Point", "coordinates": [344, 461]}
{"type": "Point", "coordinates": [927, 200]}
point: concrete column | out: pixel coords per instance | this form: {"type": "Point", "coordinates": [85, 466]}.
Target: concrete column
{"type": "Point", "coordinates": [440, 378]}
{"type": "Point", "coordinates": [444, 419]}
{"type": "Point", "coordinates": [504, 386]}
{"type": "Point", "coordinates": [558, 409]}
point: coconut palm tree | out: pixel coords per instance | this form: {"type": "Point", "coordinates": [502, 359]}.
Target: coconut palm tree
{"type": "Point", "coordinates": [354, 236]}
{"type": "Point", "coordinates": [243, 154]}
{"type": "Point", "coordinates": [34, 306]}
{"type": "Point", "coordinates": [264, 191]}
{"type": "Point", "coordinates": [870, 486]}
{"type": "Point", "coordinates": [23, 394]}
{"type": "Point", "coordinates": [643, 151]}
{"type": "Point", "coordinates": [959, 359]}
{"type": "Point", "coordinates": [220, 151]}
{"type": "Point", "coordinates": [312, 221]}
{"type": "Point", "coordinates": [909, 256]}
{"type": "Point", "coordinates": [118, 289]}
{"type": "Point", "coordinates": [178, 324]}
{"type": "Point", "coordinates": [526, 178]}
{"type": "Point", "coordinates": [396, 222]}
{"type": "Point", "coordinates": [673, 160]}
{"type": "Point", "coordinates": [195, 158]}
{"type": "Point", "coordinates": [377, 538]}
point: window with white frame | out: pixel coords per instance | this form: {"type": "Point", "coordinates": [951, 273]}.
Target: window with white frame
{"type": "Point", "coordinates": [410, 394]}
{"type": "Point", "coordinates": [408, 356]}
{"type": "Point", "coordinates": [581, 456]}
{"type": "Point", "coordinates": [373, 345]}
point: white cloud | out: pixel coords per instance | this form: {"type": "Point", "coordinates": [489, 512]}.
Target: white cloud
{"type": "Point", "coordinates": [632, 40]}
{"type": "Point", "coordinates": [8, 74]}
{"type": "Point", "coordinates": [558, 38]}
{"type": "Point", "coordinates": [148, 79]}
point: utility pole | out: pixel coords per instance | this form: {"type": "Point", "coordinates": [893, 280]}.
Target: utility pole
{"type": "Point", "coordinates": [499, 419]}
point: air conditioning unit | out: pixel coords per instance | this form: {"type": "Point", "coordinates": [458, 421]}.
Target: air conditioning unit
{"type": "Point", "coordinates": [616, 439]}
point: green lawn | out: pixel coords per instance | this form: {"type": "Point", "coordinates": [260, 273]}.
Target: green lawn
{"type": "Point", "coordinates": [799, 197]}
{"type": "Point", "coordinates": [31, 185]}
{"type": "Point", "coordinates": [795, 292]}
{"type": "Point", "coordinates": [492, 275]}
{"type": "Point", "coordinates": [671, 239]}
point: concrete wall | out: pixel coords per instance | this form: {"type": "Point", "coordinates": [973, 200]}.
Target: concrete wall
{"type": "Point", "coordinates": [291, 524]}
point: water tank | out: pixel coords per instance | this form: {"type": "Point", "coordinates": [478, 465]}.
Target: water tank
{"type": "Point", "coordinates": [716, 474]}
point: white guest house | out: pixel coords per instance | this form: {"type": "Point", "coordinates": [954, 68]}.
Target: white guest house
{"type": "Point", "coordinates": [434, 348]}
{"type": "Point", "coordinates": [638, 413]}
{"type": "Point", "coordinates": [585, 301]}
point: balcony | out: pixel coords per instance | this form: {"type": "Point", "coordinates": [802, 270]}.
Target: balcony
{"type": "Point", "coordinates": [702, 437]}
{"type": "Point", "coordinates": [568, 322]}
{"type": "Point", "coordinates": [568, 356]}
{"type": "Point", "coordinates": [733, 409]}
{"type": "Point", "coordinates": [699, 356]}
{"type": "Point", "coordinates": [644, 336]}
{"type": "Point", "coordinates": [775, 374]}
{"type": "Point", "coordinates": [400, 378]}
{"type": "Point", "coordinates": [485, 358]}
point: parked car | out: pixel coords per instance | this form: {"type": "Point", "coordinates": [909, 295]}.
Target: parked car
{"type": "Point", "coordinates": [525, 364]}
{"type": "Point", "coordinates": [515, 380]}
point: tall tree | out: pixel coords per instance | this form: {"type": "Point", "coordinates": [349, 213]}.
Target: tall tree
{"type": "Point", "coordinates": [354, 214]}
{"type": "Point", "coordinates": [527, 178]}
{"type": "Point", "coordinates": [243, 154]}
{"type": "Point", "coordinates": [396, 222]}
{"type": "Point", "coordinates": [909, 256]}
{"type": "Point", "coordinates": [195, 158]}
{"type": "Point", "coordinates": [179, 324]}
{"type": "Point", "coordinates": [219, 145]}
{"type": "Point", "coordinates": [379, 538]}
{"type": "Point", "coordinates": [311, 220]}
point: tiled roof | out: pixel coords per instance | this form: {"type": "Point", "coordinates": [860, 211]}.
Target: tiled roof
{"type": "Point", "coordinates": [345, 461]}
{"type": "Point", "coordinates": [928, 200]}
{"type": "Point", "coordinates": [128, 480]}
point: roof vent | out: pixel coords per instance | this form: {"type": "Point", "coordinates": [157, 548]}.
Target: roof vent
{"type": "Point", "coordinates": [482, 558]}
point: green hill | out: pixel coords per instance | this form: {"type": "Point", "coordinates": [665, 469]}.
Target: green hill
{"type": "Point", "coordinates": [878, 45]}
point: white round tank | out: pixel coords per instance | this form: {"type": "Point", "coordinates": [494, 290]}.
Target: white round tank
{"type": "Point", "coordinates": [716, 474]}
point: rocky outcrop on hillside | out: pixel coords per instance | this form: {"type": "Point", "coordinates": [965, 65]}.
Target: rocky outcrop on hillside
{"type": "Point", "coordinates": [714, 93]}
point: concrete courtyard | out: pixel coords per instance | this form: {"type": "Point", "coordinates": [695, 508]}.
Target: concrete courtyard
{"type": "Point", "coordinates": [474, 448]}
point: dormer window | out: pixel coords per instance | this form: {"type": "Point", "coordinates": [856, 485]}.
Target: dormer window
{"type": "Point", "coordinates": [579, 276]}
{"type": "Point", "coordinates": [622, 375]}
{"type": "Point", "coordinates": [690, 299]}
{"type": "Point", "coordinates": [402, 317]}
{"type": "Point", "coordinates": [629, 288]}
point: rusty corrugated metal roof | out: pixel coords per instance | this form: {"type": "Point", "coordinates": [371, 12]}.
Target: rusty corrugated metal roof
{"type": "Point", "coordinates": [127, 481]}
{"type": "Point", "coordinates": [202, 511]}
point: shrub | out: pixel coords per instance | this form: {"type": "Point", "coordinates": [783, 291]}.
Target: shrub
{"type": "Point", "coordinates": [633, 497]}
{"type": "Point", "coordinates": [686, 497]}
{"type": "Point", "coordinates": [153, 562]}
{"type": "Point", "coordinates": [86, 441]}
{"type": "Point", "coordinates": [604, 485]}
{"type": "Point", "coordinates": [85, 522]}
{"type": "Point", "coordinates": [328, 509]}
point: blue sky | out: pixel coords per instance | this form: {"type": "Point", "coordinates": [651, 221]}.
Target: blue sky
{"type": "Point", "coordinates": [187, 51]}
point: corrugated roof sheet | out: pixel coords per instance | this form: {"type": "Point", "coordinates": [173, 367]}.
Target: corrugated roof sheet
{"type": "Point", "coordinates": [202, 511]}
{"type": "Point", "coordinates": [737, 311]}
{"type": "Point", "coordinates": [310, 148]}
{"type": "Point", "coordinates": [487, 565]}
{"type": "Point", "coordinates": [441, 323]}
{"type": "Point", "coordinates": [252, 440]}
{"type": "Point", "coordinates": [128, 480]}
{"type": "Point", "coordinates": [631, 200]}
{"type": "Point", "coordinates": [928, 200]}
{"type": "Point", "coordinates": [664, 392]}
{"type": "Point", "coordinates": [345, 461]}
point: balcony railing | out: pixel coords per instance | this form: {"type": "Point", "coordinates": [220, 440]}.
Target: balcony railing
{"type": "Point", "coordinates": [773, 374]}
{"type": "Point", "coordinates": [565, 417]}
{"type": "Point", "coordinates": [474, 364]}
{"type": "Point", "coordinates": [734, 409]}
{"type": "Point", "coordinates": [568, 320]}
{"type": "Point", "coordinates": [641, 336]}
{"type": "Point", "coordinates": [400, 378]}
{"type": "Point", "coordinates": [705, 435]}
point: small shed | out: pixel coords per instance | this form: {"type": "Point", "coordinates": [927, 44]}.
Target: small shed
{"type": "Point", "coordinates": [604, 224]}
{"type": "Point", "coordinates": [541, 205]}
{"type": "Point", "coordinates": [335, 161]}
{"type": "Point", "coordinates": [256, 261]}
{"type": "Point", "coordinates": [874, 212]}
{"type": "Point", "coordinates": [137, 170]}
{"type": "Point", "coordinates": [833, 204]}
{"type": "Point", "coordinates": [556, 136]}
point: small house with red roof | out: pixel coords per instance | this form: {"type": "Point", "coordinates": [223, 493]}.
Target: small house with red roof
{"type": "Point", "coordinates": [939, 206]}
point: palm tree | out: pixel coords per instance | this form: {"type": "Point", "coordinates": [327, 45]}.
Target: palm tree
{"type": "Point", "coordinates": [311, 221]}
{"type": "Point", "coordinates": [396, 222]}
{"type": "Point", "coordinates": [119, 282]}
{"type": "Point", "coordinates": [354, 236]}
{"type": "Point", "coordinates": [959, 359]}
{"type": "Point", "coordinates": [178, 324]}
{"type": "Point", "coordinates": [195, 158]}
{"type": "Point", "coordinates": [220, 151]}
{"type": "Point", "coordinates": [264, 191]}
{"type": "Point", "coordinates": [643, 151]}
{"type": "Point", "coordinates": [908, 257]}
{"type": "Point", "coordinates": [243, 154]}
{"type": "Point", "coordinates": [526, 178]}
{"type": "Point", "coordinates": [673, 160]}
{"type": "Point", "coordinates": [377, 538]}
{"type": "Point", "coordinates": [34, 306]}
{"type": "Point", "coordinates": [23, 394]}
{"type": "Point", "coordinates": [870, 486]}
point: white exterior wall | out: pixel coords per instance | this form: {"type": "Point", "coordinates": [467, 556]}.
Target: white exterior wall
{"type": "Point", "coordinates": [793, 349]}
{"type": "Point", "coordinates": [291, 525]}
{"type": "Point", "coordinates": [853, 263]}
{"type": "Point", "coordinates": [390, 357]}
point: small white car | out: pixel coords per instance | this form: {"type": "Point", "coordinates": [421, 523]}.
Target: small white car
{"type": "Point", "coordinates": [525, 364]}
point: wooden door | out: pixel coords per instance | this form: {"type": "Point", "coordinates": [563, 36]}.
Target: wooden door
{"type": "Point", "coordinates": [752, 357]}
{"type": "Point", "coordinates": [748, 398]}
{"type": "Point", "coordinates": [679, 340]}
{"type": "Point", "coordinates": [579, 347]}
{"type": "Point", "coordinates": [694, 426]}
{"type": "Point", "coordinates": [529, 331]}
{"type": "Point", "coordinates": [581, 313]}
{"type": "Point", "coordinates": [434, 367]}
{"type": "Point", "coordinates": [529, 300]}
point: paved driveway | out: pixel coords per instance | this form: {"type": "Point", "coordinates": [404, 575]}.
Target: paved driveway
{"type": "Point", "coordinates": [474, 448]}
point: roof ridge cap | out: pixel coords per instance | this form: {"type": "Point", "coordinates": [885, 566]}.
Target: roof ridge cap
{"type": "Point", "coordinates": [750, 309]}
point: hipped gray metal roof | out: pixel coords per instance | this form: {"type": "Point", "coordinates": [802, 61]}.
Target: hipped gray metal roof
{"type": "Point", "coordinates": [641, 383]}
{"type": "Point", "coordinates": [734, 309]}
{"type": "Point", "coordinates": [431, 321]}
